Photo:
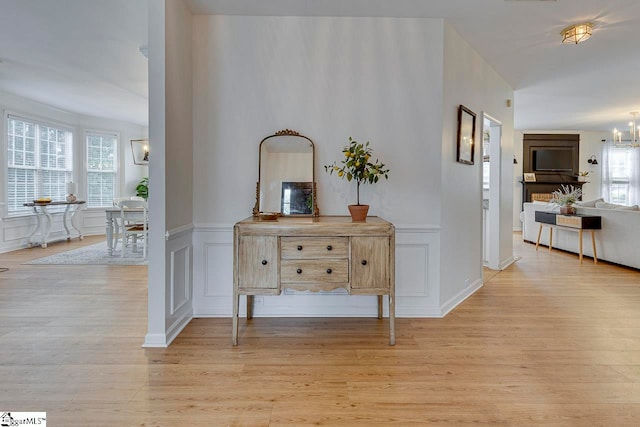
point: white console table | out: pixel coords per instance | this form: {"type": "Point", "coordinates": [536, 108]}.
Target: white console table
{"type": "Point", "coordinates": [314, 254]}
{"type": "Point", "coordinates": [45, 221]}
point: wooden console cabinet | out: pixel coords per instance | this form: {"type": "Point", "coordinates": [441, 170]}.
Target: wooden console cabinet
{"type": "Point", "coordinates": [314, 254]}
{"type": "Point", "coordinates": [576, 222]}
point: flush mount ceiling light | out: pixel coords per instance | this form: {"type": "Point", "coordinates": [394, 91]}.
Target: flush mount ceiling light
{"type": "Point", "coordinates": [577, 33]}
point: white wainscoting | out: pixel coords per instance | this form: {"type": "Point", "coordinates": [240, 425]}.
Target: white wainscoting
{"type": "Point", "coordinates": [417, 280]}
{"type": "Point", "coordinates": [179, 256]}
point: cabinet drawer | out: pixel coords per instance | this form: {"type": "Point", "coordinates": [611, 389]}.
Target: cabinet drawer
{"type": "Point", "coordinates": [318, 271]}
{"type": "Point", "coordinates": [258, 262]}
{"type": "Point", "coordinates": [314, 247]}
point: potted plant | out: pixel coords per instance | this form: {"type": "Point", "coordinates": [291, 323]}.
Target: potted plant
{"type": "Point", "coordinates": [357, 165]}
{"type": "Point", "coordinates": [565, 197]}
{"type": "Point", "coordinates": [582, 176]}
{"type": "Point", "coordinates": [142, 190]}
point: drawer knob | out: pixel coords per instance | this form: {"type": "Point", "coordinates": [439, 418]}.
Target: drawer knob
{"type": "Point", "coordinates": [328, 271]}
{"type": "Point", "coordinates": [299, 271]}
{"type": "Point", "coordinates": [329, 247]}
{"type": "Point", "coordinates": [299, 247]}
{"type": "Point", "coordinates": [264, 262]}
{"type": "Point", "coordinates": [364, 262]}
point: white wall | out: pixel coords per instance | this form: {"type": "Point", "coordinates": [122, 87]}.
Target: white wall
{"type": "Point", "coordinates": [374, 79]}
{"type": "Point", "coordinates": [15, 230]}
{"type": "Point", "coordinates": [170, 305]}
{"type": "Point", "coordinates": [590, 144]}
{"type": "Point", "coordinates": [470, 81]}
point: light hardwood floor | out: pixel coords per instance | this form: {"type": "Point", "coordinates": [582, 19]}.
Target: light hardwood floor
{"type": "Point", "coordinates": [546, 342]}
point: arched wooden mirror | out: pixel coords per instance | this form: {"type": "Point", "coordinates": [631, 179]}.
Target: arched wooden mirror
{"type": "Point", "coordinates": [286, 177]}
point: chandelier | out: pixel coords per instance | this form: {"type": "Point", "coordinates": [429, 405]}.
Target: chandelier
{"type": "Point", "coordinates": [634, 134]}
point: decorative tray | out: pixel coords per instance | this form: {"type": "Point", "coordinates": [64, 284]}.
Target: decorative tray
{"type": "Point", "coordinates": [269, 216]}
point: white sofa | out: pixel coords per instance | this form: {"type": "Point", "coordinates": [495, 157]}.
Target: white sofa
{"type": "Point", "coordinates": [618, 241]}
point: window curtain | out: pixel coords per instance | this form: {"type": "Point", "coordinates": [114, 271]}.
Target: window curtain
{"type": "Point", "coordinates": [632, 172]}
{"type": "Point", "coordinates": [634, 177]}
{"type": "Point", "coordinates": [606, 170]}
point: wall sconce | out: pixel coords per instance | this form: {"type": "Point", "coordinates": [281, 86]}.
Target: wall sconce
{"type": "Point", "coordinates": [592, 160]}
{"type": "Point", "coordinates": [140, 151]}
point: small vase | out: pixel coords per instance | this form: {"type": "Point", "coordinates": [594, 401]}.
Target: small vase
{"type": "Point", "coordinates": [567, 210]}
{"type": "Point", "coordinates": [358, 212]}
{"type": "Point", "coordinates": [71, 198]}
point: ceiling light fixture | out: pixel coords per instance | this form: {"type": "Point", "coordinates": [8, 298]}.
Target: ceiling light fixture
{"type": "Point", "coordinates": [577, 33]}
{"type": "Point", "coordinates": [634, 134]}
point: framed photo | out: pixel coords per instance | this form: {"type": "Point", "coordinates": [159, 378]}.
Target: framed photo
{"type": "Point", "coordinates": [466, 132]}
{"type": "Point", "coordinates": [529, 177]}
{"type": "Point", "coordinates": [296, 198]}
{"type": "Point", "coordinates": [140, 151]}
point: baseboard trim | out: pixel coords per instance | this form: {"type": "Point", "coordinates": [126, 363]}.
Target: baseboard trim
{"type": "Point", "coordinates": [455, 301]}
{"type": "Point", "coordinates": [155, 341]}
{"type": "Point", "coordinates": [506, 263]}
{"type": "Point", "coordinates": [164, 340]}
{"type": "Point", "coordinates": [177, 326]}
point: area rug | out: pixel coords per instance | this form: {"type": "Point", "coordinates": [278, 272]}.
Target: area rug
{"type": "Point", "coordinates": [91, 255]}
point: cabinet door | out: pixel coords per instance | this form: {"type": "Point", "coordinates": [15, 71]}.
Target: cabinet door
{"type": "Point", "coordinates": [258, 262]}
{"type": "Point", "coordinates": [370, 262]}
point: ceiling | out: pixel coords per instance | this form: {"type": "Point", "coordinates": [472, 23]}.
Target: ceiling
{"type": "Point", "coordinates": [83, 55]}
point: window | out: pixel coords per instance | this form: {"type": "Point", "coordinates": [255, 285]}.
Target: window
{"type": "Point", "coordinates": [40, 160]}
{"type": "Point", "coordinates": [620, 180]}
{"type": "Point", "coordinates": [101, 169]}
{"type": "Point", "coordinates": [620, 169]}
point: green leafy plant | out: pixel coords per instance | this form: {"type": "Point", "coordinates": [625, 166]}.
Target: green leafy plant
{"type": "Point", "coordinates": [566, 196]}
{"type": "Point", "coordinates": [584, 173]}
{"type": "Point", "coordinates": [142, 190]}
{"type": "Point", "coordinates": [357, 165]}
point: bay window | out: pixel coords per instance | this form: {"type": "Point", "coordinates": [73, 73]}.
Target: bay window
{"type": "Point", "coordinates": [39, 162]}
{"type": "Point", "coordinates": [102, 149]}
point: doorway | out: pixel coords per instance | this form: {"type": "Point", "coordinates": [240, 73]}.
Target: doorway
{"type": "Point", "coordinates": [491, 179]}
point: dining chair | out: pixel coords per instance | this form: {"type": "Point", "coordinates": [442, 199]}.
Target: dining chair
{"type": "Point", "coordinates": [134, 225]}
{"type": "Point", "coordinates": [117, 225]}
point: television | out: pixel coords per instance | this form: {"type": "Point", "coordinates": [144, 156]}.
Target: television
{"type": "Point", "coordinates": [558, 159]}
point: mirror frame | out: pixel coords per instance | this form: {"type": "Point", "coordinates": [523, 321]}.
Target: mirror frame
{"type": "Point", "coordinates": [140, 151]}
{"type": "Point", "coordinates": [314, 207]}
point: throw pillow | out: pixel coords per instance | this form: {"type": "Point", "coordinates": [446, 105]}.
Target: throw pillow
{"type": "Point", "coordinates": [605, 205]}
{"type": "Point", "coordinates": [589, 203]}
{"type": "Point", "coordinates": [628, 208]}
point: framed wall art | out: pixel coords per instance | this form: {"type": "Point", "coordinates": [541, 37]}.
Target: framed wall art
{"type": "Point", "coordinates": [466, 132]}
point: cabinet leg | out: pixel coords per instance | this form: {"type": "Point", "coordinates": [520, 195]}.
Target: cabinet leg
{"type": "Point", "coordinates": [539, 234]}
{"type": "Point", "coordinates": [249, 307]}
{"type": "Point", "coordinates": [380, 306]}
{"type": "Point", "coordinates": [392, 320]}
{"type": "Point", "coordinates": [593, 244]}
{"type": "Point", "coordinates": [550, 238]}
{"type": "Point", "coordinates": [236, 306]}
{"type": "Point", "coordinates": [580, 243]}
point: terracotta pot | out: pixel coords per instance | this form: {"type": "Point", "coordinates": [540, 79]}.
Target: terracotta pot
{"type": "Point", "coordinates": [358, 212]}
{"type": "Point", "coordinates": [567, 210]}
